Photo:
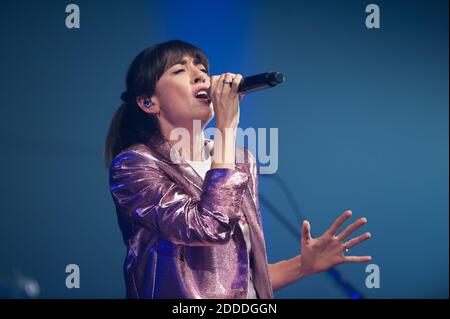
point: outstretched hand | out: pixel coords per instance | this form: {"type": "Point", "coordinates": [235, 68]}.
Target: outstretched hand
{"type": "Point", "coordinates": [324, 252]}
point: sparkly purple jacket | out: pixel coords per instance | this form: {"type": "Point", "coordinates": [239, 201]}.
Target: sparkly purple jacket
{"type": "Point", "coordinates": [182, 234]}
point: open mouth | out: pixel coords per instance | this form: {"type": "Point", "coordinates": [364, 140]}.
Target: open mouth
{"type": "Point", "coordinates": [203, 96]}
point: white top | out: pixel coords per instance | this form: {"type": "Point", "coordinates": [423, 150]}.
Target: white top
{"type": "Point", "coordinates": [201, 168]}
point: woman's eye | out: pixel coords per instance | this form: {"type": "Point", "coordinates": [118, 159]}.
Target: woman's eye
{"type": "Point", "coordinates": [181, 70]}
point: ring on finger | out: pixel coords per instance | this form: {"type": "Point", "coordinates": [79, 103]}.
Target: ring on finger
{"type": "Point", "coordinates": [228, 82]}
{"type": "Point", "coordinates": [345, 247]}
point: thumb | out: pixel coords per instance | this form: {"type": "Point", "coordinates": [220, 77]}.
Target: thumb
{"type": "Point", "coordinates": [306, 230]}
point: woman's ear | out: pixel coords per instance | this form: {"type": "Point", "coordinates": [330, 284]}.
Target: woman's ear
{"type": "Point", "coordinates": [147, 104]}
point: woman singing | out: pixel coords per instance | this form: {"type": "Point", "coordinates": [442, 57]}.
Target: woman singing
{"type": "Point", "coordinates": [190, 216]}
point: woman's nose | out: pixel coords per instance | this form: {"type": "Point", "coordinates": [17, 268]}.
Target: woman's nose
{"type": "Point", "coordinates": [200, 77]}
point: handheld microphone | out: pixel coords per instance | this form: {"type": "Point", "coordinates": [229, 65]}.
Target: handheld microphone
{"type": "Point", "coordinates": [260, 81]}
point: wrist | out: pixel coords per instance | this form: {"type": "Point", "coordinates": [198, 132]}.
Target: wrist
{"type": "Point", "coordinates": [224, 147]}
{"type": "Point", "coordinates": [223, 165]}
{"type": "Point", "coordinates": [226, 129]}
{"type": "Point", "coordinates": [299, 268]}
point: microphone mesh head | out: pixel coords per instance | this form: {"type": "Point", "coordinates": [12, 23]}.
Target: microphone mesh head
{"type": "Point", "coordinates": [274, 78]}
{"type": "Point", "coordinates": [279, 77]}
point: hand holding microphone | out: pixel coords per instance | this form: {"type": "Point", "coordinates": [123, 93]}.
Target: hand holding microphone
{"type": "Point", "coordinates": [225, 99]}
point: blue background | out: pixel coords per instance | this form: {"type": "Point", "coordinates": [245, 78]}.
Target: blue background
{"type": "Point", "coordinates": [362, 120]}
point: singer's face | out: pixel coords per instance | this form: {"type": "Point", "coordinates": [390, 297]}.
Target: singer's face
{"type": "Point", "coordinates": [176, 90]}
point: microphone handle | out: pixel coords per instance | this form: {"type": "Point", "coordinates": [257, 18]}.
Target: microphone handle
{"type": "Point", "coordinates": [260, 81]}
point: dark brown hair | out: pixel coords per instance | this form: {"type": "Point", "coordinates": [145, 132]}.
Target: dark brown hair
{"type": "Point", "coordinates": [130, 124]}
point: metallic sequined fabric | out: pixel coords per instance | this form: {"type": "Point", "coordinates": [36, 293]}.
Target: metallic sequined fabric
{"type": "Point", "coordinates": [181, 232]}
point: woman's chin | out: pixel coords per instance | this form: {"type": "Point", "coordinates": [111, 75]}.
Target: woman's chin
{"type": "Point", "coordinates": [204, 111]}
{"type": "Point", "coordinates": [204, 103]}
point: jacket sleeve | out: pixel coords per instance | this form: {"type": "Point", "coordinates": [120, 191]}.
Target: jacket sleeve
{"type": "Point", "coordinates": [146, 196]}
